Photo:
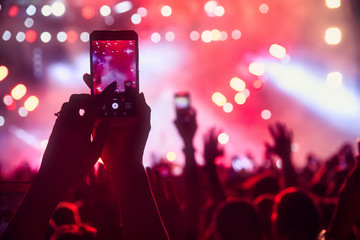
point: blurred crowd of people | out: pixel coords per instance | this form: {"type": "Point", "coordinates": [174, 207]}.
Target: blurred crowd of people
{"type": "Point", "coordinates": [320, 201]}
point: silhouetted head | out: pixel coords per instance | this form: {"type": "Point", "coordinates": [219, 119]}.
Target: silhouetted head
{"type": "Point", "coordinates": [238, 220]}
{"type": "Point", "coordinates": [296, 216]}
{"type": "Point", "coordinates": [66, 213]}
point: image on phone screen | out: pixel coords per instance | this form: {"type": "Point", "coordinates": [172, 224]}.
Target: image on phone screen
{"type": "Point", "coordinates": [113, 60]}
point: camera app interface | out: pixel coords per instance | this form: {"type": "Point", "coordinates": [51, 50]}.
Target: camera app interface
{"type": "Point", "coordinates": [114, 60]}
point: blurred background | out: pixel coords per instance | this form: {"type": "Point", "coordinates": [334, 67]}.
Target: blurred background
{"type": "Point", "coordinates": [246, 64]}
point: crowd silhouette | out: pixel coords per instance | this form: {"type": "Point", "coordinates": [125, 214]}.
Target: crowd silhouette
{"type": "Point", "coordinates": [73, 197]}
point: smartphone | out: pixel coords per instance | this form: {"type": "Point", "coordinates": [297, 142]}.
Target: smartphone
{"type": "Point", "coordinates": [183, 106]}
{"type": "Point", "coordinates": [114, 56]}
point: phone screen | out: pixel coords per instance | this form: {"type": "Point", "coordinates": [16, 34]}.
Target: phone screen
{"type": "Point", "coordinates": [113, 60]}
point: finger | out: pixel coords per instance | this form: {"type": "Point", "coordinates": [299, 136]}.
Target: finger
{"type": "Point", "coordinates": [99, 139]}
{"type": "Point", "coordinates": [76, 102]}
{"type": "Point", "coordinates": [88, 80]}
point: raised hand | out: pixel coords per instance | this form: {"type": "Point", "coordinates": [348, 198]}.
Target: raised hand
{"type": "Point", "coordinates": [282, 138]}
{"type": "Point", "coordinates": [187, 128]}
{"type": "Point", "coordinates": [212, 150]}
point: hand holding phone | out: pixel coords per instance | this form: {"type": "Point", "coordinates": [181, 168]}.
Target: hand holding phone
{"type": "Point", "coordinates": [114, 56]}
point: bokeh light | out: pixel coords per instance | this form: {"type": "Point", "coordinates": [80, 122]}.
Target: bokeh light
{"type": "Point", "coordinates": [236, 34]}
{"type": "Point", "coordinates": [143, 12]}
{"type": "Point", "coordinates": [88, 12]}
{"type": "Point", "coordinates": [210, 7]}
{"type": "Point", "coordinates": [2, 121]}
{"type": "Point", "coordinates": [206, 36]}
{"type": "Point", "coordinates": [277, 51]}
{"type": "Point", "coordinates": [18, 91]}
{"type": "Point", "coordinates": [105, 10]}
{"type": "Point", "coordinates": [31, 103]}
{"type": "Point", "coordinates": [237, 84]}
{"type": "Point", "coordinates": [85, 36]}
{"type": "Point", "coordinates": [171, 156]}
{"type": "Point", "coordinates": [240, 98]}
{"type": "Point", "coordinates": [13, 11]}
{"type": "Point", "coordinates": [219, 99]}
{"type": "Point", "coordinates": [29, 22]}
{"type": "Point", "coordinates": [166, 11]}
{"type": "Point", "coordinates": [266, 114]}
{"type": "Point", "coordinates": [223, 138]}
{"type": "Point", "coordinates": [122, 7]}
{"type": "Point", "coordinates": [45, 37]}
{"type": "Point", "coordinates": [257, 69]}
{"type": "Point", "coordinates": [4, 72]}
{"type": "Point", "coordinates": [135, 18]}
{"type": "Point", "coordinates": [264, 8]}
{"type": "Point", "coordinates": [194, 35]}
{"type": "Point", "coordinates": [334, 80]}
{"type": "Point", "coordinates": [8, 100]}
{"type": "Point", "coordinates": [23, 112]}
{"type": "Point", "coordinates": [228, 107]}
{"type": "Point", "coordinates": [109, 20]}
{"type": "Point", "coordinates": [58, 9]}
{"type": "Point", "coordinates": [46, 10]}
{"type": "Point", "coordinates": [170, 36]}
{"type": "Point", "coordinates": [155, 37]}
{"type": "Point", "coordinates": [333, 36]}
{"type": "Point", "coordinates": [30, 36]}
{"type": "Point", "coordinates": [20, 36]}
{"type": "Point", "coordinates": [333, 3]}
{"type": "Point", "coordinates": [71, 36]}
{"type": "Point", "coordinates": [6, 35]}
{"type": "Point", "coordinates": [219, 11]}
{"type": "Point", "coordinates": [31, 10]}
{"type": "Point", "coordinates": [61, 36]}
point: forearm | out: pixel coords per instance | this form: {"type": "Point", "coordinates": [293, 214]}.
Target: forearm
{"type": "Point", "coordinates": [140, 217]}
{"type": "Point", "coordinates": [216, 190]}
{"type": "Point", "coordinates": [32, 217]}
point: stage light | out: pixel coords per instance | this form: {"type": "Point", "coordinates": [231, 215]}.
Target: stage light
{"type": "Point", "coordinates": [334, 80]}
{"type": "Point", "coordinates": [105, 10]}
{"type": "Point", "coordinates": [71, 36]}
{"type": "Point", "coordinates": [45, 37]}
{"type": "Point", "coordinates": [219, 99]}
{"type": "Point", "coordinates": [171, 156]}
{"type": "Point", "coordinates": [264, 8]}
{"type": "Point", "coordinates": [194, 35]}
{"type": "Point", "coordinates": [61, 36]}
{"type": "Point", "coordinates": [18, 91]}
{"type": "Point", "coordinates": [142, 11]}
{"type": "Point", "coordinates": [8, 100]}
{"type": "Point", "coordinates": [84, 36]}
{"type": "Point", "coordinates": [333, 3]}
{"type": "Point", "coordinates": [240, 98]}
{"type": "Point", "coordinates": [236, 34]}
{"type": "Point", "coordinates": [155, 37]}
{"type": "Point", "coordinates": [6, 35]}
{"type": "Point", "coordinates": [237, 84]}
{"type": "Point", "coordinates": [29, 22]}
{"type": "Point", "coordinates": [215, 35]}
{"type": "Point", "coordinates": [223, 35]}
{"type": "Point", "coordinates": [333, 36]}
{"type": "Point", "coordinates": [228, 107]}
{"type": "Point", "coordinates": [57, 9]}
{"type": "Point", "coordinates": [109, 20]}
{"type": "Point", "coordinates": [257, 69]}
{"type": "Point", "coordinates": [242, 164]}
{"type": "Point", "coordinates": [20, 36]}
{"type": "Point", "coordinates": [219, 11]}
{"type": "Point", "coordinates": [31, 10]}
{"type": "Point", "coordinates": [223, 138]}
{"type": "Point", "coordinates": [2, 121]}
{"type": "Point", "coordinates": [46, 10]}
{"type": "Point", "coordinates": [4, 72]}
{"type": "Point", "coordinates": [13, 11]}
{"type": "Point", "coordinates": [88, 12]}
{"type": "Point", "coordinates": [123, 7]}
{"type": "Point", "coordinates": [31, 103]}
{"type": "Point", "coordinates": [277, 51]}
{"type": "Point", "coordinates": [170, 36]}
{"type": "Point", "coordinates": [206, 36]}
{"type": "Point", "coordinates": [30, 36]}
{"type": "Point", "coordinates": [210, 7]}
{"type": "Point", "coordinates": [265, 114]}
{"type": "Point", "coordinates": [23, 112]}
{"type": "Point", "coordinates": [258, 84]}
{"type": "Point", "coordinates": [166, 11]}
{"type": "Point", "coordinates": [135, 18]}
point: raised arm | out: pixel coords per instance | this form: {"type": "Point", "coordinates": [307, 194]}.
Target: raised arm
{"type": "Point", "coordinates": [69, 156]}
{"type": "Point", "coordinates": [122, 154]}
